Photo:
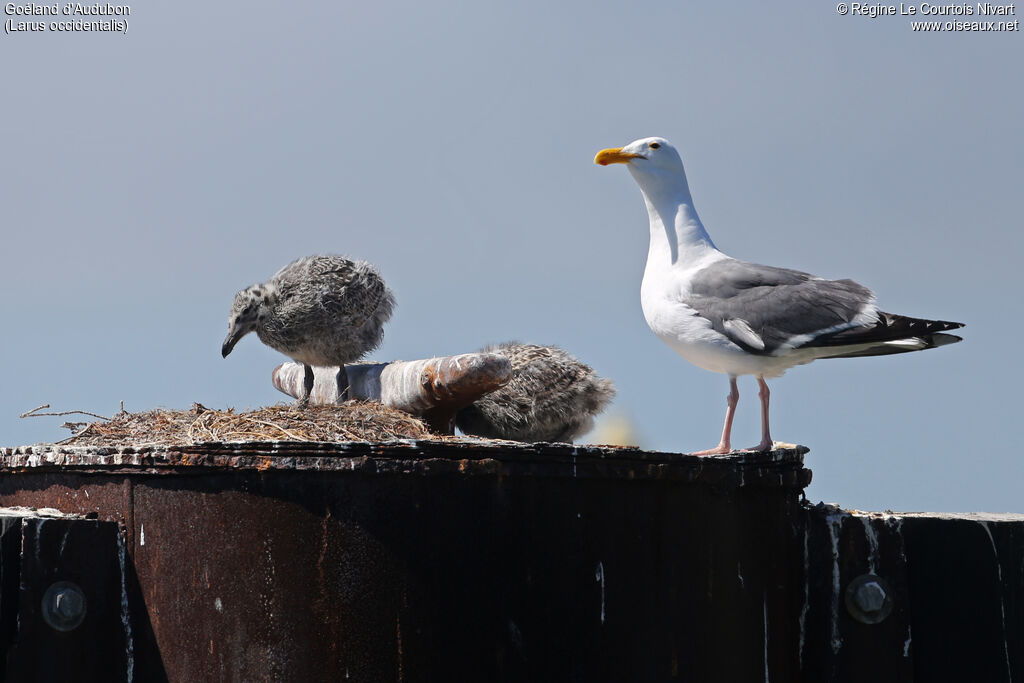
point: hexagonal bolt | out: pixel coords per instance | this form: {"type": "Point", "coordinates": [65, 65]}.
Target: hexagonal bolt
{"type": "Point", "coordinates": [869, 599]}
{"type": "Point", "coordinates": [64, 606]}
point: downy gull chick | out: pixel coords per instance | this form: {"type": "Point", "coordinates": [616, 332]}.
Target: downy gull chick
{"type": "Point", "coordinates": [551, 397]}
{"type": "Point", "coordinates": [740, 318]}
{"type": "Point", "coordinates": [319, 310]}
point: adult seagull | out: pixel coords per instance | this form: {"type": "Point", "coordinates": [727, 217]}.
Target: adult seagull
{"type": "Point", "coordinates": [741, 318]}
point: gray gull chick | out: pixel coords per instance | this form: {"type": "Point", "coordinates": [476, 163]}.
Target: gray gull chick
{"type": "Point", "coordinates": [319, 310]}
{"type": "Point", "coordinates": [550, 397]}
{"type": "Point", "coordinates": [741, 318]}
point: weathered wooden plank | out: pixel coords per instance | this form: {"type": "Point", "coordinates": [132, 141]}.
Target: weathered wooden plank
{"type": "Point", "coordinates": [955, 583]}
{"type": "Point", "coordinates": [66, 601]}
{"type": "Point", "coordinates": [966, 575]}
{"type": "Point", "coordinates": [840, 641]}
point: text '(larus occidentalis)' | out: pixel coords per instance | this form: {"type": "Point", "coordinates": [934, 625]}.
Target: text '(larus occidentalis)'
{"type": "Point", "coordinates": [319, 310]}
{"type": "Point", "coordinates": [740, 318]}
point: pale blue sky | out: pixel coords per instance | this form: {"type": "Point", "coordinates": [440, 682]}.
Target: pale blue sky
{"type": "Point", "coordinates": [147, 177]}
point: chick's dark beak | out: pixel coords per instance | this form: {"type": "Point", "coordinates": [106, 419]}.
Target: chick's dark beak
{"type": "Point", "coordinates": [229, 343]}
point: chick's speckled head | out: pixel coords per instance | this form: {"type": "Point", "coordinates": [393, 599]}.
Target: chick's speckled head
{"type": "Point", "coordinates": [249, 306]}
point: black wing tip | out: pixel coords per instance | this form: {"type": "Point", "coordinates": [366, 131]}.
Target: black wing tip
{"type": "Point", "coordinates": [895, 320]}
{"type": "Point", "coordinates": [942, 325]}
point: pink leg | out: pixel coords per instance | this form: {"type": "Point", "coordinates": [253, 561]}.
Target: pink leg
{"type": "Point", "coordinates": [730, 401]}
{"type": "Point", "coordinates": [766, 438]}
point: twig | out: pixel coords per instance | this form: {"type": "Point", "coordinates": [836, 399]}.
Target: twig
{"type": "Point", "coordinates": [34, 413]}
{"type": "Point", "coordinates": [283, 430]}
{"type": "Point", "coordinates": [85, 431]}
{"type": "Point", "coordinates": [45, 405]}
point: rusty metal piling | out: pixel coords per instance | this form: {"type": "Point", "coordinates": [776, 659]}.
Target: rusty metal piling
{"type": "Point", "coordinates": [449, 561]}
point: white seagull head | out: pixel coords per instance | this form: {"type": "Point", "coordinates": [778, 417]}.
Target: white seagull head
{"type": "Point", "coordinates": [647, 155]}
{"type": "Point", "coordinates": [653, 162]}
{"type": "Point", "coordinates": [655, 166]}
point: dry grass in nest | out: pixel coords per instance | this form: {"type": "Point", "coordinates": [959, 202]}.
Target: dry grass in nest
{"type": "Point", "coordinates": [351, 421]}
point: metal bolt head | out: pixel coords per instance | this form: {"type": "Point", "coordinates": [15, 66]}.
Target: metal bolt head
{"type": "Point", "coordinates": [64, 606]}
{"type": "Point", "coordinates": [869, 599]}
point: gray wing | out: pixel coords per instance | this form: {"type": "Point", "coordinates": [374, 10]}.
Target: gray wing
{"type": "Point", "coordinates": [356, 291]}
{"type": "Point", "coordinates": [349, 292]}
{"type": "Point", "coordinates": [321, 293]}
{"type": "Point", "coordinates": [765, 310]}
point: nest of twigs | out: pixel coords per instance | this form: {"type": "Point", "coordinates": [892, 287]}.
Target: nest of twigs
{"type": "Point", "coordinates": [351, 421]}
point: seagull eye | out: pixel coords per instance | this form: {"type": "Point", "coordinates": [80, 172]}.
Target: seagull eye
{"type": "Point", "coordinates": [654, 145]}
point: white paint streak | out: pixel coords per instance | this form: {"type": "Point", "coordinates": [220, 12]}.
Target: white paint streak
{"type": "Point", "coordinates": [39, 536]}
{"type": "Point", "coordinates": [895, 523]}
{"type": "Point", "coordinates": [142, 534]}
{"type": "Point", "coordinates": [1002, 601]}
{"type": "Point", "coordinates": [872, 538]}
{"type": "Point", "coordinates": [599, 577]}
{"type": "Point", "coordinates": [835, 523]}
{"type": "Point", "coordinates": [807, 598]}
{"type": "Point", "coordinates": [218, 605]}
{"type": "Point", "coordinates": [739, 573]}
{"type": "Point", "coordinates": [126, 622]}
{"type": "Point", "coordinates": [765, 607]}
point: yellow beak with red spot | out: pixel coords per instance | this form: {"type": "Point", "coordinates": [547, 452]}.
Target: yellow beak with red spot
{"type": "Point", "coordinates": [615, 155]}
